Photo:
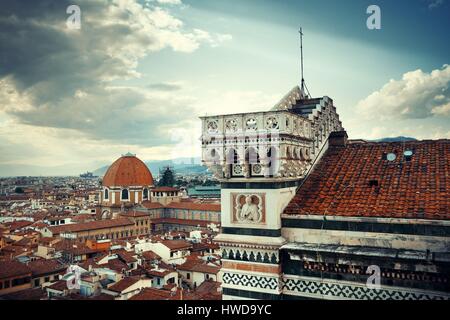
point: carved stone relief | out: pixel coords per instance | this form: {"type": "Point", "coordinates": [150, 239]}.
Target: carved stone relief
{"type": "Point", "coordinates": [248, 208]}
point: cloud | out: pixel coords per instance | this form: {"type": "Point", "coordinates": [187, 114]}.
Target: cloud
{"type": "Point", "coordinates": [165, 86]}
{"type": "Point", "coordinates": [417, 95]}
{"type": "Point", "coordinates": [443, 110]}
{"type": "Point", "coordinates": [173, 2]}
{"type": "Point", "coordinates": [55, 77]}
{"type": "Point", "coordinates": [117, 114]}
{"type": "Point", "coordinates": [432, 4]}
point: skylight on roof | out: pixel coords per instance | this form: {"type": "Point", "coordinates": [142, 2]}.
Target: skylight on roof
{"type": "Point", "coordinates": [408, 153]}
{"type": "Point", "coordinates": [391, 156]}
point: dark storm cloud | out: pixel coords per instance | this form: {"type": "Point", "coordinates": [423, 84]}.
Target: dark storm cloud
{"type": "Point", "coordinates": [65, 75]}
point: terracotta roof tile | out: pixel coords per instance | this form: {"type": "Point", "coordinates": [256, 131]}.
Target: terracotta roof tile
{"type": "Point", "coordinates": [195, 206]}
{"type": "Point", "coordinates": [157, 294]}
{"type": "Point", "coordinates": [93, 225]}
{"type": "Point", "coordinates": [188, 222]}
{"type": "Point", "coordinates": [128, 171]}
{"type": "Point", "coordinates": [199, 266]}
{"type": "Point", "coordinates": [123, 284]}
{"type": "Point", "coordinates": [12, 269]}
{"type": "Point", "coordinates": [187, 205]}
{"type": "Point", "coordinates": [358, 180]}
{"type": "Point", "coordinates": [177, 244]}
{"type": "Point", "coordinates": [164, 189]}
{"type": "Point", "coordinates": [43, 267]}
{"type": "Point", "coordinates": [152, 205]}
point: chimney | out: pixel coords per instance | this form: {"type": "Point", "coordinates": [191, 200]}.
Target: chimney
{"type": "Point", "coordinates": [338, 139]}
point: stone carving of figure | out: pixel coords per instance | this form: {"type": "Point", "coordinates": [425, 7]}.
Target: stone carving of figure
{"type": "Point", "coordinates": [249, 211]}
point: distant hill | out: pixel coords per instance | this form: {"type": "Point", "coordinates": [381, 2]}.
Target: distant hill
{"type": "Point", "coordinates": [396, 139]}
{"type": "Point", "coordinates": [180, 165]}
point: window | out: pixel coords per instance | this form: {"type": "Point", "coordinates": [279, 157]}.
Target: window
{"type": "Point", "coordinates": [6, 284]}
{"type": "Point", "coordinates": [125, 195]}
{"type": "Point", "coordinates": [106, 194]}
{"type": "Point", "coordinates": [46, 279]}
{"type": "Point", "coordinates": [145, 194]}
{"type": "Point", "coordinates": [18, 282]}
{"type": "Point", "coordinates": [188, 276]}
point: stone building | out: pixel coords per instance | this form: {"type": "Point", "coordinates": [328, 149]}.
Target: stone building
{"type": "Point", "coordinates": [309, 214]}
{"type": "Point", "coordinates": [126, 183]}
{"type": "Point", "coordinates": [96, 230]}
{"type": "Point", "coordinates": [128, 191]}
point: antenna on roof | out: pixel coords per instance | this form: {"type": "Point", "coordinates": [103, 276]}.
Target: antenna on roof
{"type": "Point", "coordinates": [303, 85]}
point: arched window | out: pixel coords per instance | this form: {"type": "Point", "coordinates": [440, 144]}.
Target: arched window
{"type": "Point", "coordinates": [252, 156]}
{"type": "Point", "coordinates": [106, 194]}
{"type": "Point", "coordinates": [302, 154]}
{"type": "Point", "coordinates": [145, 194]}
{"type": "Point", "coordinates": [288, 153]}
{"type": "Point", "coordinates": [273, 161]}
{"type": "Point", "coordinates": [215, 157]}
{"type": "Point", "coordinates": [125, 195]}
{"type": "Point", "coordinates": [232, 157]}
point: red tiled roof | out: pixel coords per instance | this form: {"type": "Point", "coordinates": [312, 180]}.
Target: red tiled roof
{"type": "Point", "coordinates": [128, 171]}
{"type": "Point", "coordinates": [164, 189]}
{"type": "Point", "coordinates": [194, 206]}
{"type": "Point", "coordinates": [186, 205]}
{"type": "Point", "coordinates": [208, 290]}
{"type": "Point", "coordinates": [152, 205]}
{"type": "Point", "coordinates": [150, 255]}
{"type": "Point", "coordinates": [201, 223]}
{"type": "Point", "coordinates": [10, 269]}
{"type": "Point", "coordinates": [357, 180]}
{"type": "Point", "coordinates": [126, 256]}
{"type": "Point", "coordinates": [198, 265]}
{"type": "Point", "coordinates": [123, 284]}
{"type": "Point", "coordinates": [59, 285]}
{"type": "Point", "coordinates": [117, 265]}
{"type": "Point", "coordinates": [16, 225]}
{"type": "Point", "coordinates": [44, 267]}
{"type": "Point", "coordinates": [27, 294]}
{"type": "Point", "coordinates": [156, 294]}
{"type": "Point", "coordinates": [93, 225]}
{"type": "Point", "coordinates": [160, 272]}
{"type": "Point", "coordinates": [177, 244]}
{"type": "Point", "coordinates": [134, 214]}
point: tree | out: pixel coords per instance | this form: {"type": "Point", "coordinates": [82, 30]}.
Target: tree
{"type": "Point", "coordinates": [167, 177]}
{"type": "Point", "coordinates": [19, 190]}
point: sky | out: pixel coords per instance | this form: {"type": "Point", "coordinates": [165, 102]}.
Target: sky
{"type": "Point", "coordinates": [137, 74]}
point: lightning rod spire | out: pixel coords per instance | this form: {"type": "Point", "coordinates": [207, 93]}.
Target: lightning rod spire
{"type": "Point", "coordinates": [303, 85]}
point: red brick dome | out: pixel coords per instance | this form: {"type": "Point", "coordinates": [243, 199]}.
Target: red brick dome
{"type": "Point", "coordinates": [127, 171]}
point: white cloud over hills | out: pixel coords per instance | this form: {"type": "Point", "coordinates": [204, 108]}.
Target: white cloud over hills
{"type": "Point", "coordinates": [417, 95]}
{"type": "Point", "coordinates": [57, 82]}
